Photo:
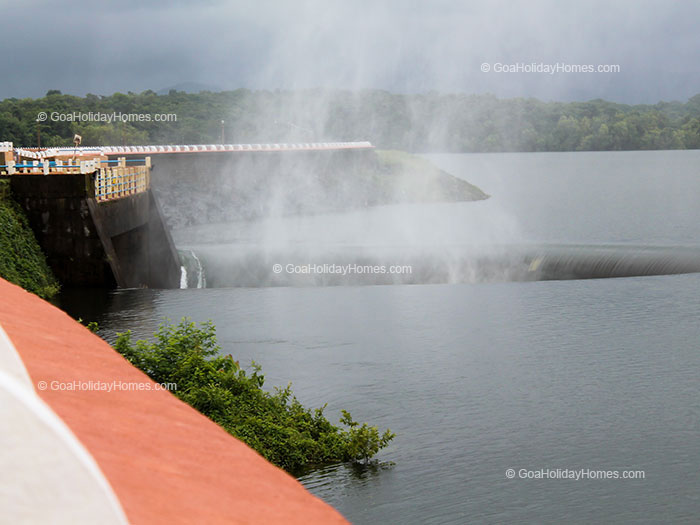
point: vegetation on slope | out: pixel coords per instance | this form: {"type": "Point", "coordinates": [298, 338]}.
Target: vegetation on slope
{"type": "Point", "coordinates": [21, 260]}
{"type": "Point", "coordinates": [275, 424]}
{"type": "Point", "coordinates": [415, 179]}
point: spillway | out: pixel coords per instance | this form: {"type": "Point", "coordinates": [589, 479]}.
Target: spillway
{"type": "Point", "coordinates": [250, 265]}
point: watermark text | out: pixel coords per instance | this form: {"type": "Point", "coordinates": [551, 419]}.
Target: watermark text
{"type": "Point", "coordinates": [106, 118]}
{"type": "Point", "coordinates": [342, 269]}
{"type": "Point", "coordinates": [548, 69]}
{"type": "Point", "coordinates": [104, 386]}
{"type": "Point", "coordinates": [573, 474]}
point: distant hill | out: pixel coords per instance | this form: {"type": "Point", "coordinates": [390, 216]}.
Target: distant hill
{"type": "Point", "coordinates": [425, 122]}
{"type": "Point", "coordinates": [189, 87]}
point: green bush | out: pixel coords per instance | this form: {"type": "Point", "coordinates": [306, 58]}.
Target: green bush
{"type": "Point", "coordinates": [21, 260]}
{"type": "Point", "coordinates": [275, 424]}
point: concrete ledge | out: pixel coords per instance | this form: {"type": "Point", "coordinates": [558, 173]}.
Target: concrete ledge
{"type": "Point", "coordinates": [122, 215]}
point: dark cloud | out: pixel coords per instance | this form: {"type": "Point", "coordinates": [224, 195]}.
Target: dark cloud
{"type": "Point", "coordinates": [80, 47]}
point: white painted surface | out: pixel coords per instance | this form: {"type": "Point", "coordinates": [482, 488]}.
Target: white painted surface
{"type": "Point", "coordinates": [10, 362]}
{"type": "Point", "coordinates": [46, 475]}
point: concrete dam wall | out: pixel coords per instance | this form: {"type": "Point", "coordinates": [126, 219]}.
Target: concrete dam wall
{"type": "Point", "coordinates": [205, 188]}
{"type": "Point", "coordinates": [123, 242]}
{"type": "Point", "coordinates": [213, 188]}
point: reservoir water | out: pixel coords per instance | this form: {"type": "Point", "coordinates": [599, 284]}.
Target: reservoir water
{"type": "Point", "coordinates": [478, 378]}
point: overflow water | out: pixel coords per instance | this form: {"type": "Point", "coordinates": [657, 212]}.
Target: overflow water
{"type": "Point", "coordinates": [192, 273]}
{"type": "Point", "coordinates": [183, 277]}
{"type": "Point", "coordinates": [253, 266]}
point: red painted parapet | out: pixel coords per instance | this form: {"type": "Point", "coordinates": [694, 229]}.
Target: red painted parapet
{"type": "Point", "coordinates": [164, 461]}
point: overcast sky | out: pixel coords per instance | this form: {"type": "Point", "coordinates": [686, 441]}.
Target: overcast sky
{"type": "Point", "coordinates": [81, 46]}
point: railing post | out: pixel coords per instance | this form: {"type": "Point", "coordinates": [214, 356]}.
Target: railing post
{"type": "Point", "coordinates": [116, 181]}
{"type": "Point", "coordinates": [7, 154]}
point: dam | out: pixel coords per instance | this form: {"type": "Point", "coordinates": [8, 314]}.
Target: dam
{"type": "Point", "coordinates": [96, 216]}
{"type": "Point", "coordinates": [103, 217]}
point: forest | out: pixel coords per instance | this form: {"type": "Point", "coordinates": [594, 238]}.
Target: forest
{"type": "Point", "coordinates": [428, 122]}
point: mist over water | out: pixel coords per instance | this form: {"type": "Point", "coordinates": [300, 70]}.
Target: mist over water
{"type": "Point", "coordinates": [426, 237]}
{"type": "Point", "coordinates": [550, 216]}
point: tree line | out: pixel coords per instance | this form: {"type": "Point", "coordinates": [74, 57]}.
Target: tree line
{"type": "Point", "coordinates": [428, 122]}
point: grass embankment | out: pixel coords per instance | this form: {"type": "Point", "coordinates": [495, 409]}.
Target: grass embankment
{"type": "Point", "coordinates": [410, 178]}
{"type": "Point", "coordinates": [21, 260]}
{"type": "Point", "coordinates": [275, 424]}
